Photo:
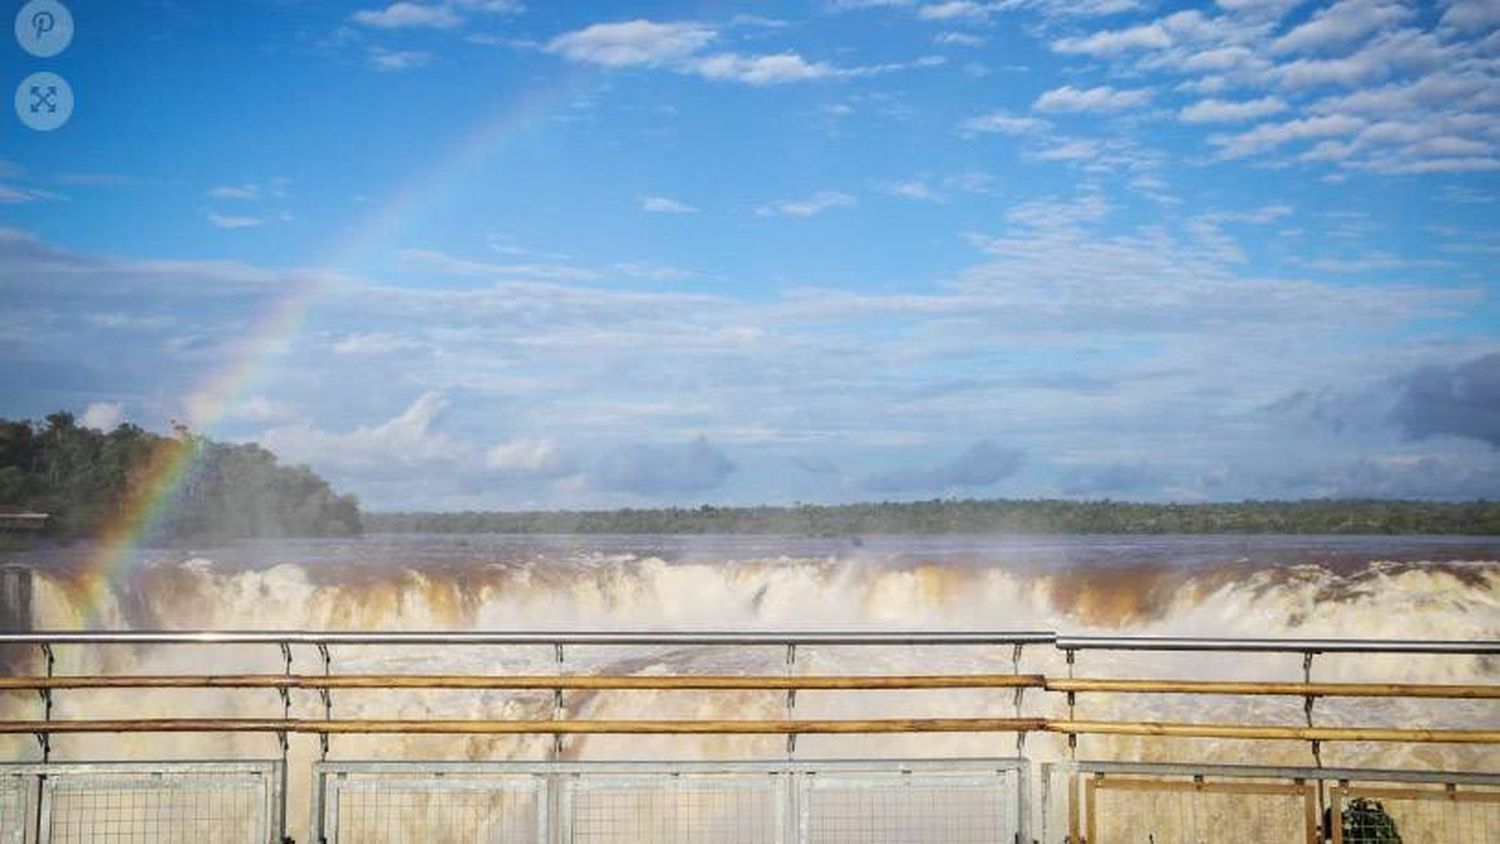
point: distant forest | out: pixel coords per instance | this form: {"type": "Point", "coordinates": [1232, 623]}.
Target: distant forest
{"type": "Point", "coordinates": [982, 517]}
{"type": "Point", "coordinates": [84, 478]}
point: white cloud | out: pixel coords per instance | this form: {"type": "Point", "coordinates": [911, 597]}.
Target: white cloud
{"type": "Point", "coordinates": [1003, 123]}
{"type": "Point", "coordinates": [393, 60]}
{"type": "Point", "coordinates": [1385, 55]}
{"type": "Point", "coordinates": [234, 221]}
{"type": "Point", "coordinates": [652, 271]}
{"type": "Point", "coordinates": [241, 192]}
{"type": "Point", "coordinates": [1104, 98]}
{"type": "Point", "coordinates": [1114, 42]}
{"type": "Point", "coordinates": [652, 470]}
{"type": "Point", "coordinates": [406, 15]}
{"type": "Point", "coordinates": [911, 189]}
{"type": "Point", "coordinates": [102, 415]}
{"type": "Point", "coordinates": [1472, 15]}
{"type": "Point", "coordinates": [498, 7]}
{"type": "Point", "coordinates": [953, 9]}
{"type": "Point", "coordinates": [665, 205]}
{"type": "Point", "coordinates": [679, 46]}
{"type": "Point", "coordinates": [1230, 111]}
{"type": "Point", "coordinates": [1342, 23]}
{"type": "Point", "coordinates": [10, 195]}
{"type": "Point", "coordinates": [959, 39]}
{"type": "Point", "coordinates": [1260, 8]}
{"type": "Point", "coordinates": [372, 344]}
{"type": "Point", "coordinates": [808, 207]}
{"type": "Point", "coordinates": [1262, 215]}
{"type": "Point", "coordinates": [258, 408]}
{"type": "Point", "coordinates": [1073, 149]}
{"type": "Point", "coordinates": [632, 43]}
{"type": "Point", "coordinates": [761, 70]}
{"type": "Point", "coordinates": [857, 5]}
{"type": "Point", "coordinates": [452, 265]}
{"type": "Point", "coordinates": [529, 458]}
{"type": "Point", "coordinates": [406, 441]}
{"type": "Point", "coordinates": [1268, 136]}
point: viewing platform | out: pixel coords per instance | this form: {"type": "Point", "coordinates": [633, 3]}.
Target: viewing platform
{"type": "Point", "coordinates": [1047, 787]}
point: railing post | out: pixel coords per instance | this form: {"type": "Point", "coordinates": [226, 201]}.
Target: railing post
{"type": "Point", "coordinates": [1307, 705]}
{"type": "Point", "coordinates": [791, 698]}
{"type": "Point", "coordinates": [286, 699]}
{"type": "Point", "coordinates": [1015, 669]}
{"type": "Point", "coordinates": [558, 711]}
{"type": "Point", "coordinates": [327, 697]}
{"type": "Point", "coordinates": [1072, 706]}
{"type": "Point", "coordinates": [45, 739]}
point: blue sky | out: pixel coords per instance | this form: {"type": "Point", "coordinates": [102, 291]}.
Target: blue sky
{"type": "Point", "coordinates": [474, 253]}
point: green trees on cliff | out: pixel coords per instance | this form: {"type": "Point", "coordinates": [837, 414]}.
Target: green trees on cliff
{"type": "Point", "coordinates": [86, 479]}
{"type": "Point", "coordinates": [1041, 516]}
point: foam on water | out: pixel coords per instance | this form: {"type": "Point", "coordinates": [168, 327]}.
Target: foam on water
{"type": "Point", "coordinates": [593, 585]}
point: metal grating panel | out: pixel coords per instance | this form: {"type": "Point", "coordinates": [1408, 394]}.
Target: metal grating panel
{"type": "Point", "coordinates": [158, 803]}
{"type": "Point", "coordinates": [675, 809]}
{"type": "Point", "coordinates": [14, 818]}
{"type": "Point", "coordinates": [884, 808]}
{"type": "Point", "coordinates": [770, 802]}
{"type": "Point", "coordinates": [446, 807]}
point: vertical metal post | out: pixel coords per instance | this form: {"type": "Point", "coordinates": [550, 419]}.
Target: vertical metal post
{"type": "Point", "coordinates": [45, 739]}
{"type": "Point", "coordinates": [286, 698]}
{"type": "Point", "coordinates": [557, 706]}
{"type": "Point", "coordinates": [327, 697]}
{"type": "Point", "coordinates": [1307, 710]}
{"type": "Point", "coordinates": [315, 809]}
{"type": "Point", "coordinates": [1307, 706]}
{"type": "Point", "coordinates": [1015, 669]}
{"type": "Point", "coordinates": [1072, 707]}
{"type": "Point", "coordinates": [791, 698]}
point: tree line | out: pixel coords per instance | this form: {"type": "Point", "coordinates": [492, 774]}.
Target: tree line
{"type": "Point", "coordinates": [86, 479]}
{"type": "Point", "coordinates": [947, 516]}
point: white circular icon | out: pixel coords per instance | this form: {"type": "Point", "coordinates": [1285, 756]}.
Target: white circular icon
{"type": "Point", "coordinates": [44, 101]}
{"type": "Point", "coordinates": [44, 28]}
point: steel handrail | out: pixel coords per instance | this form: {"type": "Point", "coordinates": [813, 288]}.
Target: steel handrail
{"type": "Point", "coordinates": [524, 637]}
{"type": "Point", "coordinates": [751, 727]}
{"type": "Point", "coordinates": [744, 638]}
{"type": "Point", "coordinates": [543, 682]}
{"type": "Point", "coordinates": [1303, 646]}
{"type": "Point", "coordinates": [750, 682]}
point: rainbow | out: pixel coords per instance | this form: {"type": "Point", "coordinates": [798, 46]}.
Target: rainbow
{"type": "Point", "coordinates": [270, 336]}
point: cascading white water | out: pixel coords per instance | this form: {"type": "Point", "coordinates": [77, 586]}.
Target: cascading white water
{"type": "Point", "coordinates": [1129, 586]}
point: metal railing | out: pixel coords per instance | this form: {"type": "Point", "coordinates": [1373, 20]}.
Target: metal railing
{"type": "Point", "coordinates": [790, 684]}
{"type": "Point", "coordinates": [1059, 715]}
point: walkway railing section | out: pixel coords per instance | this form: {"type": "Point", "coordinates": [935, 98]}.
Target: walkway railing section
{"type": "Point", "coordinates": [548, 793]}
{"type": "Point", "coordinates": [325, 682]}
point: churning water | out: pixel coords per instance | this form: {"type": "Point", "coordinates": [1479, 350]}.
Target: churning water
{"type": "Point", "coordinates": [1362, 587]}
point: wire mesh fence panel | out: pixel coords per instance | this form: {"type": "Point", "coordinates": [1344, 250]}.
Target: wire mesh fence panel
{"type": "Point", "coordinates": [1400, 815]}
{"type": "Point", "coordinates": [437, 809]}
{"type": "Point", "coordinates": [155, 807]}
{"type": "Point", "coordinates": [675, 809]}
{"type": "Point", "coordinates": [1166, 811]}
{"type": "Point", "coordinates": [14, 818]}
{"type": "Point", "coordinates": [908, 808]}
